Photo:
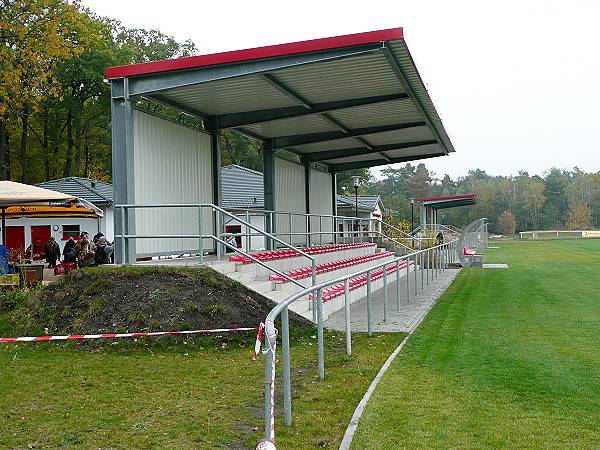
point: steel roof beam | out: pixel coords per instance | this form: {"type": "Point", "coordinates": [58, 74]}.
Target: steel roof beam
{"type": "Point", "coordinates": [415, 100]}
{"type": "Point", "coordinates": [364, 142]}
{"type": "Point", "coordinates": [379, 162]}
{"type": "Point", "coordinates": [149, 83]}
{"type": "Point", "coordinates": [345, 130]}
{"type": "Point", "coordinates": [312, 138]}
{"type": "Point", "coordinates": [254, 117]}
{"type": "Point", "coordinates": [344, 153]}
{"type": "Point", "coordinates": [176, 105]}
{"type": "Point", "coordinates": [284, 89]}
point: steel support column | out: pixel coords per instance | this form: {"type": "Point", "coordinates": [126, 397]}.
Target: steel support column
{"type": "Point", "coordinates": [307, 202]}
{"type": "Point", "coordinates": [269, 185]}
{"type": "Point", "coordinates": [123, 168]}
{"type": "Point", "coordinates": [215, 150]}
{"type": "Point", "coordinates": [336, 238]}
{"type": "Point", "coordinates": [215, 147]}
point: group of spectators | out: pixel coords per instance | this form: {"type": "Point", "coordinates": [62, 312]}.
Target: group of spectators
{"type": "Point", "coordinates": [88, 253]}
{"type": "Point", "coordinates": [82, 251]}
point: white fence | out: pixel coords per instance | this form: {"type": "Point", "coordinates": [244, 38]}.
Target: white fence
{"type": "Point", "coordinates": [560, 234]}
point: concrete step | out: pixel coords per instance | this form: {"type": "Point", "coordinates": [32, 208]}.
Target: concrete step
{"type": "Point", "coordinates": [243, 278]}
{"type": "Point", "coordinates": [261, 287]}
{"type": "Point", "coordinates": [49, 275]}
{"type": "Point", "coordinates": [224, 267]}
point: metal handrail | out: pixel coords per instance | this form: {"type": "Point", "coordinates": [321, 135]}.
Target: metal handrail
{"type": "Point", "coordinates": [408, 236]}
{"type": "Point", "coordinates": [335, 219]}
{"type": "Point", "coordinates": [370, 231]}
{"type": "Point", "coordinates": [446, 253]}
{"type": "Point", "coordinates": [394, 240]}
{"type": "Point", "coordinates": [202, 236]}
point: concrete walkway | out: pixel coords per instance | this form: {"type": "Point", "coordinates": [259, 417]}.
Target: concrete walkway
{"type": "Point", "coordinates": [412, 310]}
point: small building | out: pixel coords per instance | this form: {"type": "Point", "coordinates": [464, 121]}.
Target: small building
{"type": "Point", "coordinates": [243, 195]}
{"type": "Point", "coordinates": [366, 207]}
{"type": "Point", "coordinates": [20, 232]}
{"type": "Point", "coordinates": [363, 206]}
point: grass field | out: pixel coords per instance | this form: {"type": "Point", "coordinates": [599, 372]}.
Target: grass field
{"type": "Point", "coordinates": [508, 358]}
{"type": "Point", "coordinates": [129, 395]}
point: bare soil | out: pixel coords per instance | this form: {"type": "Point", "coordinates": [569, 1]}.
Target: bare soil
{"type": "Point", "coordinates": [117, 300]}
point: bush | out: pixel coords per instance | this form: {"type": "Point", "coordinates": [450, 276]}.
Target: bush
{"type": "Point", "coordinates": [11, 298]}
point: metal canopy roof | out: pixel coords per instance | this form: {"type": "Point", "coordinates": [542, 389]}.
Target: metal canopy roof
{"type": "Point", "coordinates": [449, 202]}
{"type": "Point", "coordinates": [348, 102]}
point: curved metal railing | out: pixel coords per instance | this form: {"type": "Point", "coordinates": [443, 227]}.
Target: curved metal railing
{"type": "Point", "coordinates": [435, 258]}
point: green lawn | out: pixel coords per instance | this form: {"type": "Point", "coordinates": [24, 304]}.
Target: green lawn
{"type": "Point", "coordinates": [186, 396]}
{"type": "Point", "coordinates": [508, 358]}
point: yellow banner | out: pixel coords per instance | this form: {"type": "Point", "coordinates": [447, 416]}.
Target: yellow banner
{"type": "Point", "coordinates": [590, 233]}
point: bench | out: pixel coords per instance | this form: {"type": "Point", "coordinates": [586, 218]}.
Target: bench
{"type": "Point", "coordinates": [328, 267]}
{"type": "Point", "coordinates": [359, 281]}
{"type": "Point", "coordinates": [9, 280]}
{"type": "Point", "coordinates": [468, 252]}
{"type": "Point", "coordinates": [476, 259]}
{"type": "Point", "coordinates": [289, 253]}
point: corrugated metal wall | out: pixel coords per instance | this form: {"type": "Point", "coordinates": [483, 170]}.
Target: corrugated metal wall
{"type": "Point", "coordinates": [289, 196]}
{"type": "Point", "coordinates": [321, 203]}
{"type": "Point", "coordinates": [172, 165]}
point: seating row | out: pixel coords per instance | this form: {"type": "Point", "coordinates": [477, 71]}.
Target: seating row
{"type": "Point", "coordinates": [327, 267]}
{"type": "Point", "coordinates": [289, 253]}
{"type": "Point", "coordinates": [354, 283]}
{"type": "Point", "coordinates": [468, 252]}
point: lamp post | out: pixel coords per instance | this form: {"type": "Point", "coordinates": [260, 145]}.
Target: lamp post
{"type": "Point", "coordinates": [356, 179]}
{"type": "Point", "coordinates": [412, 214]}
{"type": "Point", "coordinates": [412, 218]}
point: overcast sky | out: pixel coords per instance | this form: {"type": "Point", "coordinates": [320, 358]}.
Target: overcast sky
{"type": "Point", "coordinates": [516, 83]}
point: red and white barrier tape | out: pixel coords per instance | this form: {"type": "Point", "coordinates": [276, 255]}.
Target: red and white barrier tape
{"type": "Point", "coordinates": [259, 339]}
{"type": "Point", "coordinates": [271, 342]}
{"type": "Point", "coordinates": [117, 335]}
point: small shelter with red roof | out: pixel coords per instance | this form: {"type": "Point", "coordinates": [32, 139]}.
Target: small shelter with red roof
{"type": "Point", "coordinates": [428, 207]}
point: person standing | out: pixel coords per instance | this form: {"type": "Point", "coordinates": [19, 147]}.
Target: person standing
{"type": "Point", "coordinates": [36, 250]}
{"type": "Point", "coordinates": [4, 259]}
{"type": "Point", "coordinates": [52, 250]}
{"type": "Point", "coordinates": [103, 251]}
{"type": "Point", "coordinates": [69, 254]}
{"type": "Point", "coordinates": [83, 249]}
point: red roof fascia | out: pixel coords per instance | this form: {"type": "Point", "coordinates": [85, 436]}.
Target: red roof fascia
{"type": "Point", "coordinates": [255, 53]}
{"type": "Point", "coordinates": [447, 198]}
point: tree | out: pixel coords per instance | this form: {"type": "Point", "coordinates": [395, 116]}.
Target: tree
{"type": "Point", "coordinates": [447, 186]}
{"type": "Point", "coordinates": [579, 216]}
{"type": "Point", "coordinates": [240, 150]}
{"type": "Point", "coordinates": [533, 200]}
{"type": "Point", "coordinates": [36, 35]}
{"type": "Point", "coordinates": [61, 125]}
{"type": "Point", "coordinates": [507, 223]}
{"type": "Point", "coordinates": [394, 182]}
{"type": "Point", "coordinates": [345, 182]}
{"type": "Point", "coordinates": [149, 45]}
{"type": "Point", "coordinates": [418, 185]}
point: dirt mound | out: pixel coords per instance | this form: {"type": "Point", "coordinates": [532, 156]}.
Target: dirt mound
{"type": "Point", "coordinates": [126, 299]}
